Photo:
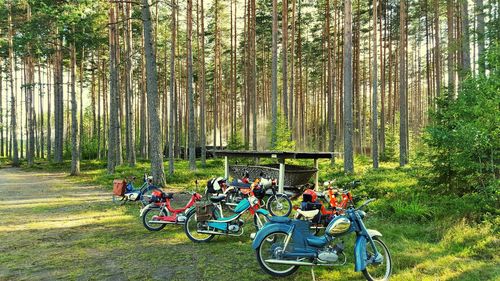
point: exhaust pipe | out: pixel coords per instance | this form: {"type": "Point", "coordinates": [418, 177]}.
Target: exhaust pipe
{"type": "Point", "coordinates": [162, 222]}
{"type": "Point", "coordinates": [218, 233]}
{"type": "Point", "coordinates": [289, 262]}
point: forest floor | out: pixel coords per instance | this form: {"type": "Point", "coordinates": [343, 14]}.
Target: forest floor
{"type": "Point", "coordinates": [56, 227]}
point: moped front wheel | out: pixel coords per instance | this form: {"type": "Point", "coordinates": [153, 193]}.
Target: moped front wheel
{"type": "Point", "coordinates": [192, 226]}
{"type": "Point", "coordinates": [150, 216]}
{"type": "Point", "coordinates": [270, 252]}
{"type": "Point", "coordinates": [380, 271]}
{"type": "Point", "coordinates": [279, 205]}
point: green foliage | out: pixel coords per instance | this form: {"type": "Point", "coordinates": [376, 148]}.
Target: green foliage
{"type": "Point", "coordinates": [283, 135]}
{"type": "Point", "coordinates": [391, 143]}
{"type": "Point", "coordinates": [235, 142]}
{"type": "Point", "coordinates": [464, 138]}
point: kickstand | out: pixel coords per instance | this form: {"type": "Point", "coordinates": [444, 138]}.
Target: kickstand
{"type": "Point", "coordinates": [312, 273]}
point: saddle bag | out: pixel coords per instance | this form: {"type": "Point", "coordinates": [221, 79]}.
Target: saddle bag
{"type": "Point", "coordinates": [203, 210]}
{"type": "Point", "coordinates": [158, 196]}
{"type": "Point", "coordinates": [119, 187]}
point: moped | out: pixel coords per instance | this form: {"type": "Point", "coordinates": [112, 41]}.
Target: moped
{"type": "Point", "coordinates": [157, 214]}
{"type": "Point", "coordinates": [142, 194]}
{"type": "Point", "coordinates": [283, 245]}
{"type": "Point", "coordinates": [203, 228]}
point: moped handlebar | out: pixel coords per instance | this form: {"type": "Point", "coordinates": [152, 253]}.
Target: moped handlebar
{"type": "Point", "coordinates": [366, 203]}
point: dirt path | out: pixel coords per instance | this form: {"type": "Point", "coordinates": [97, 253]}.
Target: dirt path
{"type": "Point", "coordinates": [52, 229]}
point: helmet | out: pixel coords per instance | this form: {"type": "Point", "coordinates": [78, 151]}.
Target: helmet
{"type": "Point", "coordinates": [309, 196]}
{"type": "Point", "coordinates": [215, 185]}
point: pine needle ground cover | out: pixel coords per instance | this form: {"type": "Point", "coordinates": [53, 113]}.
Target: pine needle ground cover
{"type": "Point", "coordinates": [56, 227]}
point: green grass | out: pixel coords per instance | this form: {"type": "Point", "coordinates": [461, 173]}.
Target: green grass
{"type": "Point", "coordinates": [71, 230]}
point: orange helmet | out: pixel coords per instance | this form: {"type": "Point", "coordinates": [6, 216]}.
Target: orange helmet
{"type": "Point", "coordinates": [309, 196]}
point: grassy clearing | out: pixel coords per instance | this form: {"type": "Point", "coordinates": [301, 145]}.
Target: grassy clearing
{"type": "Point", "coordinates": [61, 227]}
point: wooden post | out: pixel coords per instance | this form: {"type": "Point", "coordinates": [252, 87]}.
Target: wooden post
{"type": "Point", "coordinates": [226, 167]}
{"type": "Point", "coordinates": [281, 179]}
{"type": "Point", "coordinates": [316, 175]}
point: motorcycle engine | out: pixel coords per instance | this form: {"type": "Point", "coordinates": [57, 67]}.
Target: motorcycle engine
{"type": "Point", "coordinates": [235, 225]}
{"type": "Point", "coordinates": [328, 256]}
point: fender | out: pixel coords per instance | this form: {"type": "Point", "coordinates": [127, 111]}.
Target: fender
{"type": "Point", "coordinates": [374, 233]}
{"type": "Point", "coordinates": [360, 249]}
{"type": "Point", "coordinates": [143, 210]}
{"type": "Point", "coordinates": [270, 228]}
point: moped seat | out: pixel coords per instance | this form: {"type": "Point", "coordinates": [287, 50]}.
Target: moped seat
{"type": "Point", "coordinates": [217, 199]}
{"type": "Point", "coordinates": [308, 214]}
{"type": "Point", "coordinates": [240, 184]}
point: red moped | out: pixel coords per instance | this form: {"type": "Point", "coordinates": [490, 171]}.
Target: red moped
{"type": "Point", "coordinates": [159, 213]}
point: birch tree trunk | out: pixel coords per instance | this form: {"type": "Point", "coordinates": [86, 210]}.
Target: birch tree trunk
{"type": "Point", "coordinates": [153, 99]}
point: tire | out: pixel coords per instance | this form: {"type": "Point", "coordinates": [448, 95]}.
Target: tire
{"type": "Point", "coordinates": [148, 216]}
{"type": "Point", "coordinates": [279, 205]}
{"type": "Point", "coordinates": [259, 220]}
{"type": "Point", "coordinates": [146, 195]}
{"type": "Point", "coordinates": [119, 200]}
{"type": "Point", "coordinates": [191, 229]}
{"type": "Point", "coordinates": [274, 240]}
{"type": "Point", "coordinates": [379, 272]}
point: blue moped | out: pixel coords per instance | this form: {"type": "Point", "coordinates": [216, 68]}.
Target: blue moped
{"type": "Point", "coordinates": [202, 229]}
{"type": "Point", "coordinates": [283, 245]}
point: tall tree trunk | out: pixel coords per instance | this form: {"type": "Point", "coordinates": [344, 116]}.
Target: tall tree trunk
{"type": "Point", "coordinates": [480, 36]}
{"type": "Point", "coordinates": [153, 99]}
{"type": "Point", "coordinates": [172, 95]}
{"type": "Point", "coordinates": [451, 49]}
{"type": "Point", "coordinates": [284, 40]}
{"type": "Point", "coordinates": [348, 126]}
{"type": "Point", "coordinates": [437, 54]}
{"type": "Point", "coordinates": [2, 142]}
{"type": "Point", "coordinates": [192, 127]}
{"type": "Point", "coordinates": [75, 146]}
{"type": "Point", "coordinates": [330, 84]}
{"type": "Point", "coordinates": [465, 40]}
{"type": "Point", "coordinates": [129, 95]}
{"type": "Point", "coordinates": [203, 133]}
{"type": "Point", "coordinates": [274, 75]}
{"type": "Point", "coordinates": [80, 133]}
{"type": "Point", "coordinates": [113, 94]}
{"type": "Point", "coordinates": [292, 72]}
{"type": "Point", "coordinates": [403, 106]}
{"type": "Point", "coordinates": [374, 95]}
{"type": "Point", "coordinates": [13, 118]}
{"type": "Point", "coordinates": [253, 73]}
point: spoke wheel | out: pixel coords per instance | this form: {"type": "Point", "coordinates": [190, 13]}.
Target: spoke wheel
{"type": "Point", "coordinates": [192, 226]}
{"type": "Point", "coordinates": [150, 215]}
{"type": "Point", "coordinates": [378, 271]}
{"type": "Point", "coordinates": [271, 247]}
{"type": "Point", "coordinates": [279, 205]}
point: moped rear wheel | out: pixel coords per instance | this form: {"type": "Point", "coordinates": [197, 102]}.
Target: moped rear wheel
{"type": "Point", "coordinates": [192, 226]}
{"type": "Point", "coordinates": [279, 205]}
{"type": "Point", "coordinates": [378, 271]}
{"type": "Point", "coordinates": [148, 217]}
{"type": "Point", "coordinates": [271, 248]}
